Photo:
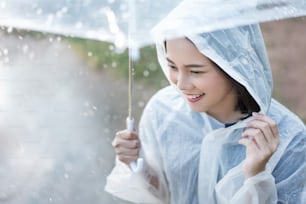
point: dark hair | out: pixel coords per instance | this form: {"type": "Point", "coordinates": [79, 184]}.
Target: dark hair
{"type": "Point", "coordinates": [246, 104]}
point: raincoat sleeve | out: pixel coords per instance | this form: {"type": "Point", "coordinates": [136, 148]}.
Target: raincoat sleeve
{"type": "Point", "coordinates": [149, 185]}
{"type": "Point", "coordinates": [282, 182]}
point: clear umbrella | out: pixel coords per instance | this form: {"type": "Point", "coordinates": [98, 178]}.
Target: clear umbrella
{"type": "Point", "coordinates": [127, 23]}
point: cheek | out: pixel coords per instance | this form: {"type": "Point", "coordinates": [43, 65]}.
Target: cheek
{"type": "Point", "coordinates": [203, 85]}
{"type": "Point", "coordinates": [220, 87]}
{"type": "Point", "coordinates": [172, 77]}
{"type": "Point", "coordinates": [209, 84]}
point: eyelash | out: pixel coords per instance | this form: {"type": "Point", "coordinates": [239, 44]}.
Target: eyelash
{"type": "Point", "coordinates": [197, 72]}
{"type": "Point", "coordinates": [172, 67]}
{"type": "Point", "coordinates": [193, 72]}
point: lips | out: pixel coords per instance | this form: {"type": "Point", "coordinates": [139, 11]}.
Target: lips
{"type": "Point", "coordinates": [194, 98]}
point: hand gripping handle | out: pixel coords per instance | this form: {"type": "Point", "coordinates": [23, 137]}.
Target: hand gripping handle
{"type": "Point", "coordinates": [136, 166]}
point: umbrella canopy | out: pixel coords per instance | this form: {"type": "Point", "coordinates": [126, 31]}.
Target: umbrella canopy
{"type": "Point", "coordinates": [210, 15]}
{"type": "Point", "coordinates": [128, 22]}
{"type": "Point", "coordinates": [104, 20]}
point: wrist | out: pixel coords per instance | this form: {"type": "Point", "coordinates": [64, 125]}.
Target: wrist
{"type": "Point", "coordinates": [253, 172]}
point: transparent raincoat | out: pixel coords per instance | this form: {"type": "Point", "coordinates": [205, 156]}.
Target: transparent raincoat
{"type": "Point", "coordinates": [196, 158]}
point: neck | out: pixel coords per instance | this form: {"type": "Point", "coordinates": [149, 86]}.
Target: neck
{"type": "Point", "coordinates": [225, 112]}
{"type": "Point", "coordinates": [229, 118]}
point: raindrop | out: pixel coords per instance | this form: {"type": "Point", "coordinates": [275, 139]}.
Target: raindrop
{"type": "Point", "coordinates": [66, 176]}
{"type": "Point", "coordinates": [112, 20]}
{"type": "Point", "coordinates": [60, 13]}
{"type": "Point", "coordinates": [64, 9]}
{"type": "Point", "coordinates": [50, 200]}
{"type": "Point", "coordinates": [153, 67]}
{"type": "Point", "coordinates": [5, 51]}
{"type": "Point", "coordinates": [32, 55]}
{"type": "Point", "coordinates": [89, 54]}
{"type": "Point", "coordinates": [10, 29]}
{"type": "Point", "coordinates": [111, 47]}
{"type": "Point", "coordinates": [25, 48]}
{"type": "Point", "coordinates": [94, 108]}
{"type": "Point", "coordinates": [50, 19]}
{"type": "Point", "coordinates": [39, 11]}
{"type": "Point", "coordinates": [86, 103]}
{"type": "Point", "coordinates": [114, 64]}
{"type": "Point", "coordinates": [146, 73]}
{"type": "Point", "coordinates": [58, 39]}
{"type": "Point", "coordinates": [20, 37]}
{"type": "Point", "coordinates": [120, 42]}
{"type": "Point", "coordinates": [111, 1]}
{"type": "Point", "coordinates": [50, 39]}
{"type": "Point", "coordinates": [79, 25]}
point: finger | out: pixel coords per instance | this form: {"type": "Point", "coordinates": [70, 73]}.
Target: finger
{"type": "Point", "coordinates": [264, 127]}
{"type": "Point", "coordinates": [271, 122]}
{"type": "Point", "coordinates": [252, 134]}
{"type": "Point", "coordinates": [131, 144]}
{"type": "Point", "coordinates": [250, 145]}
{"type": "Point", "coordinates": [123, 151]}
{"type": "Point", "coordinates": [127, 159]}
{"type": "Point", "coordinates": [260, 140]}
{"type": "Point", "coordinates": [125, 134]}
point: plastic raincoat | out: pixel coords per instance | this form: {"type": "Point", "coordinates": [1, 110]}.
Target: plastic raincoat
{"type": "Point", "coordinates": [198, 159]}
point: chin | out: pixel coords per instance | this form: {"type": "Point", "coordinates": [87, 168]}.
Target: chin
{"type": "Point", "coordinates": [197, 109]}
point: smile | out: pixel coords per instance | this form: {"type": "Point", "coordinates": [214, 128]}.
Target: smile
{"type": "Point", "coordinates": [194, 98]}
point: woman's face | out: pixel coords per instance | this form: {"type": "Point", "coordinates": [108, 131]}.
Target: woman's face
{"type": "Point", "coordinates": [203, 85]}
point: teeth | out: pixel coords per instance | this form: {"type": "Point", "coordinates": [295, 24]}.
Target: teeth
{"type": "Point", "coordinates": [195, 96]}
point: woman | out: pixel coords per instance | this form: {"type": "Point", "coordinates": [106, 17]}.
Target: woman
{"type": "Point", "coordinates": [215, 135]}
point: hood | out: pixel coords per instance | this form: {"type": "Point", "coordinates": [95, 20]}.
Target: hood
{"type": "Point", "coordinates": [240, 52]}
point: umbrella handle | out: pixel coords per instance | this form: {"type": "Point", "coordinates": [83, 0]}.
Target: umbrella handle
{"type": "Point", "coordinates": [136, 166]}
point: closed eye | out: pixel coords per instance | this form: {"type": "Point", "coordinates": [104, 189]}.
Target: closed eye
{"type": "Point", "coordinates": [171, 66]}
{"type": "Point", "coordinates": [197, 72]}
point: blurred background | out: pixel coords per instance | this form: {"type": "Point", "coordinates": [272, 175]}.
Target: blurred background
{"type": "Point", "coordinates": [62, 100]}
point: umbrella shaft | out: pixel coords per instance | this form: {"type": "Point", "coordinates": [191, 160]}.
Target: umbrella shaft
{"type": "Point", "coordinates": [130, 87]}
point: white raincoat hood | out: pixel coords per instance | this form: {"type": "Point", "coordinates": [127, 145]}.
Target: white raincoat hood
{"type": "Point", "coordinates": [241, 53]}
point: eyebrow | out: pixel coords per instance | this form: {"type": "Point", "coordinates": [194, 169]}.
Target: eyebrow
{"type": "Point", "coordinates": [188, 65]}
{"type": "Point", "coordinates": [169, 60]}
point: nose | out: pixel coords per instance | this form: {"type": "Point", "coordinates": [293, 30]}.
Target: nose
{"type": "Point", "coordinates": [183, 82]}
